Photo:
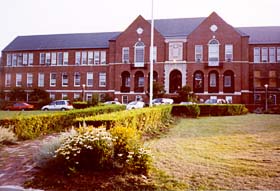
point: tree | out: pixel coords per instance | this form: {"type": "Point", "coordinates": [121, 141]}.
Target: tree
{"type": "Point", "coordinates": [17, 94]}
{"type": "Point", "coordinates": [158, 90]}
{"type": "Point", "coordinates": [185, 94]}
{"type": "Point", "coordinates": [39, 95]}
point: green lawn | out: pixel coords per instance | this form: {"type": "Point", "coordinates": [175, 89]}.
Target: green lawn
{"type": "Point", "coordinates": [232, 152]}
{"type": "Point", "coordinates": [11, 114]}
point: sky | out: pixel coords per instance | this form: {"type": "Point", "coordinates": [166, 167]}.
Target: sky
{"type": "Point", "coordinates": [33, 17]}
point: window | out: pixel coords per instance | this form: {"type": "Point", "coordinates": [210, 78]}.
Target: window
{"type": "Point", "coordinates": [52, 79]}
{"type": "Point", "coordinates": [25, 58]}
{"type": "Point", "coordinates": [19, 59]}
{"type": "Point", "coordinates": [139, 54]}
{"type": "Point", "coordinates": [9, 59]}
{"type": "Point", "coordinates": [77, 79]}
{"type": "Point", "coordinates": [228, 52]}
{"type": "Point", "coordinates": [257, 81]}
{"type": "Point", "coordinates": [64, 79]}
{"type": "Point", "coordinates": [14, 60]}
{"type": "Point", "coordinates": [272, 78]}
{"type": "Point", "coordinates": [90, 57]}
{"type": "Point", "coordinates": [60, 58]}
{"type": "Point", "coordinates": [8, 78]}
{"type": "Point", "coordinates": [48, 58]}
{"type": "Point", "coordinates": [278, 54]}
{"type": "Point", "coordinates": [198, 80]}
{"type": "Point", "coordinates": [175, 51]}
{"type": "Point", "coordinates": [264, 54]}
{"type": "Point", "coordinates": [227, 81]}
{"type": "Point", "coordinates": [64, 96]}
{"type": "Point", "coordinates": [96, 57]}
{"type": "Point", "coordinates": [30, 59]}
{"type": "Point", "coordinates": [213, 80]}
{"type": "Point", "coordinates": [89, 97]}
{"type": "Point", "coordinates": [53, 62]}
{"type": "Point", "coordinates": [125, 54]}
{"type": "Point", "coordinates": [42, 58]}
{"type": "Point", "coordinates": [18, 80]}
{"type": "Point", "coordinates": [77, 58]}
{"type": "Point", "coordinates": [29, 79]}
{"type": "Point", "coordinates": [154, 54]}
{"type": "Point", "coordinates": [103, 57]}
{"type": "Point", "coordinates": [52, 96]}
{"type": "Point", "coordinates": [84, 58]}
{"type": "Point", "coordinates": [65, 58]}
{"type": "Point", "coordinates": [272, 55]}
{"type": "Point", "coordinates": [41, 79]}
{"type": "Point", "coordinates": [102, 79]}
{"type": "Point", "coordinates": [213, 53]}
{"type": "Point", "coordinates": [77, 96]}
{"type": "Point", "coordinates": [141, 81]}
{"type": "Point", "coordinates": [257, 56]}
{"type": "Point", "coordinates": [229, 99]}
{"type": "Point", "coordinates": [124, 99]}
{"type": "Point", "coordinates": [89, 79]}
{"type": "Point", "coordinates": [198, 53]}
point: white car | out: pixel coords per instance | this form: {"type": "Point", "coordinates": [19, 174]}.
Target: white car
{"type": "Point", "coordinates": [58, 105]}
{"type": "Point", "coordinates": [135, 105]}
{"type": "Point", "coordinates": [159, 101]}
{"type": "Point", "coordinates": [112, 102]}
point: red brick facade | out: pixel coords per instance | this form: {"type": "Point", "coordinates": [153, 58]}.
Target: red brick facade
{"type": "Point", "coordinates": [214, 59]}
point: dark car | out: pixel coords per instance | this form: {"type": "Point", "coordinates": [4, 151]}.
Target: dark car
{"type": "Point", "coordinates": [20, 106]}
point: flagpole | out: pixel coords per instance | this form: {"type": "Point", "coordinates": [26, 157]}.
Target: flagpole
{"type": "Point", "coordinates": [152, 56]}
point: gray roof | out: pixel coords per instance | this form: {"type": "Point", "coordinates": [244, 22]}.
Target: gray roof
{"type": "Point", "coordinates": [61, 41]}
{"type": "Point", "coordinates": [262, 35]}
{"type": "Point", "coordinates": [167, 27]}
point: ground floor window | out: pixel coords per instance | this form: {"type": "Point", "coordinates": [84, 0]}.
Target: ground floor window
{"type": "Point", "coordinates": [124, 99]}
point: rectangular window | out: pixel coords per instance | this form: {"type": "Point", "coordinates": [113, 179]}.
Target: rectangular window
{"type": "Point", "coordinates": [102, 79]}
{"type": "Point", "coordinates": [257, 81]}
{"type": "Point", "coordinates": [89, 97]}
{"type": "Point", "coordinates": [77, 79]}
{"type": "Point", "coordinates": [25, 58]}
{"type": "Point", "coordinates": [127, 81]}
{"type": "Point", "coordinates": [64, 79]}
{"type": "Point", "coordinates": [90, 58]}
{"type": "Point", "coordinates": [64, 96]}
{"type": "Point", "coordinates": [272, 55]}
{"type": "Point", "coordinates": [213, 81]}
{"type": "Point", "coordinates": [213, 55]}
{"type": "Point", "coordinates": [227, 81]}
{"type": "Point", "coordinates": [125, 54]}
{"type": "Point", "coordinates": [65, 58]}
{"type": "Point", "coordinates": [77, 96]}
{"type": "Point", "coordinates": [52, 96]}
{"type": "Point", "coordinates": [8, 79]}
{"type": "Point", "coordinates": [96, 57]}
{"type": "Point", "coordinates": [155, 54]}
{"type": "Point", "coordinates": [272, 78]}
{"type": "Point", "coordinates": [19, 59]}
{"type": "Point", "coordinates": [52, 79]}
{"type": "Point", "coordinates": [29, 79]}
{"type": "Point", "coordinates": [48, 58]}
{"type": "Point", "coordinates": [89, 79]}
{"type": "Point", "coordinates": [41, 79]}
{"type": "Point", "coordinates": [30, 59]}
{"type": "Point", "coordinates": [228, 52]}
{"type": "Point", "coordinates": [278, 54]}
{"type": "Point", "coordinates": [257, 55]}
{"type": "Point", "coordinates": [141, 82]}
{"type": "Point", "coordinates": [53, 58]}
{"type": "Point", "coordinates": [77, 58]}
{"type": "Point", "coordinates": [14, 60]}
{"type": "Point", "coordinates": [264, 54]}
{"type": "Point", "coordinates": [42, 58]}
{"type": "Point", "coordinates": [84, 58]}
{"type": "Point", "coordinates": [60, 58]}
{"type": "Point", "coordinates": [9, 59]}
{"type": "Point", "coordinates": [229, 99]}
{"type": "Point", "coordinates": [198, 53]}
{"type": "Point", "coordinates": [102, 57]}
{"type": "Point", "coordinates": [18, 80]}
{"type": "Point", "coordinates": [124, 99]}
{"type": "Point", "coordinates": [175, 51]}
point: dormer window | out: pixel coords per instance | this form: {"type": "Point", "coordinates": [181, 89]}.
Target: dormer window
{"type": "Point", "coordinates": [213, 52]}
{"type": "Point", "coordinates": [139, 54]}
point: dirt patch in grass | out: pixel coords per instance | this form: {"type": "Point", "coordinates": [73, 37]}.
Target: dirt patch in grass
{"type": "Point", "coordinates": [236, 153]}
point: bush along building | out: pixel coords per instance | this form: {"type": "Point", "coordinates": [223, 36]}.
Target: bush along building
{"type": "Point", "coordinates": [215, 59]}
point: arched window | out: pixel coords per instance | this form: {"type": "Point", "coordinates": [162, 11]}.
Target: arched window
{"type": "Point", "coordinates": [139, 54]}
{"type": "Point", "coordinates": [228, 81]}
{"type": "Point", "coordinates": [125, 87]}
{"type": "Point", "coordinates": [213, 52]}
{"type": "Point", "coordinates": [175, 81]}
{"type": "Point", "coordinates": [213, 78]}
{"type": "Point", "coordinates": [198, 82]}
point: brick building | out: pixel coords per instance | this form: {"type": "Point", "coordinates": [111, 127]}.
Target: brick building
{"type": "Point", "coordinates": [215, 59]}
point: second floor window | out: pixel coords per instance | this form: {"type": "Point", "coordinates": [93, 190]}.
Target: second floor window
{"type": "Point", "coordinates": [264, 54]}
{"type": "Point", "coordinates": [77, 58]}
{"type": "Point", "coordinates": [42, 58]}
{"type": "Point", "coordinates": [77, 79]}
{"type": "Point", "coordinates": [228, 52]}
{"type": "Point", "coordinates": [41, 79]}
{"type": "Point", "coordinates": [102, 79]}
{"type": "Point", "coordinates": [257, 56]}
{"type": "Point", "coordinates": [175, 51]}
{"type": "Point", "coordinates": [213, 53]}
{"type": "Point", "coordinates": [29, 79]}
{"type": "Point", "coordinates": [89, 79]}
{"type": "Point", "coordinates": [8, 79]}
{"type": "Point", "coordinates": [64, 79]}
{"type": "Point", "coordinates": [198, 53]}
{"type": "Point", "coordinates": [272, 55]}
{"type": "Point", "coordinates": [125, 55]}
{"type": "Point", "coordinates": [139, 54]}
{"type": "Point", "coordinates": [18, 80]}
{"type": "Point", "coordinates": [278, 54]}
{"type": "Point", "coordinates": [52, 79]}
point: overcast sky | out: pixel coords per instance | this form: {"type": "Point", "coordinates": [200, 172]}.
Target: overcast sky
{"type": "Point", "coordinates": [31, 17]}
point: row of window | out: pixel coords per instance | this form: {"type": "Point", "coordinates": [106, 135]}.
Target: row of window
{"type": "Point", "coordinates": [57, 58]}
{"type": "Point", "coordinates": [272, 79]}
{"type": "Point", "coordinates": [265, 54]}
{"type": "Point", "coordinates": [54, 79]}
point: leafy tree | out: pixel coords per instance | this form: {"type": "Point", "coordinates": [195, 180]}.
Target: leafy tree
{"type": "Point", "coordinates": [158, 90]}
{"type": "Point", "coordinates": [39, 95]}
{"type": "Point", "coordinates": [185, 94]}
{"type": "Point", "coordinates": [17, 94]}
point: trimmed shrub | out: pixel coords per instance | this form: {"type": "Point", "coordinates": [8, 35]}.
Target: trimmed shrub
{"type": "Point", "coordinates": [186, 110]}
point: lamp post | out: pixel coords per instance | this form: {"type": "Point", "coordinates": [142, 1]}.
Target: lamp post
{"type": "Point", "coordinates": [152, 57]}
{"type": "Point", "coordinates": [266, 86]}
{"type": "Point", "coordinates": [83, 92]}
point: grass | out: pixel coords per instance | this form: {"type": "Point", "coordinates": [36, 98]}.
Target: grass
{"type": "Point", "coordinates": [233, 152]}
{"type": "Point", "coordinates": [12, 114]}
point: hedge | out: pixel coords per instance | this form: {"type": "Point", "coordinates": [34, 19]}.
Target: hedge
{"type": "Point", "coordinates": [29, 127]}
{"type": "Point", "coordinates": [145, 120]}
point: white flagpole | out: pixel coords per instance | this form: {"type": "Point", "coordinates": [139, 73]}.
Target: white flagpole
{"type": "Point", "coordinates": [152, 56]}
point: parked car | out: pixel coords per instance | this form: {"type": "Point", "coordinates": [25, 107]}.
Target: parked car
{"type": "Point", "coordinates": [187, 103]}
{"type": "Point", "coordinates": [135, 105]}
{"type": "Point", "coordinates": [113, 102]}
{"type": "Point", "coordinates": [215, 101]}
{"type": "Point", "coordinates": [20, 106]}
{"type": "Point", "coordinates": [159, 101]}
{"type": "Point", "coordinates": [58, 105]}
